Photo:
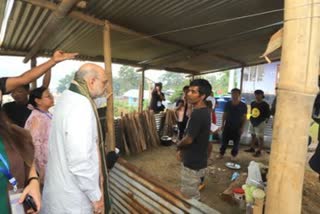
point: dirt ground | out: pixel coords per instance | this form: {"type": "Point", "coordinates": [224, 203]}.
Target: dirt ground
{"type": "Point", "coordinates": [162, 164]}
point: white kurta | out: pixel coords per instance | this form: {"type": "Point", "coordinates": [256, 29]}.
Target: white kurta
{"type": "Point", "coordinates": [72, 173]}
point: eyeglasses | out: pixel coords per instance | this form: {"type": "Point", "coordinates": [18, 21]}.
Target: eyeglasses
{"type": "Point", "coordinates": [49, 96]}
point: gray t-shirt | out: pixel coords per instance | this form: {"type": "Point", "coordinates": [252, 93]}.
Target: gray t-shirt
{"type": "Point", "coordinates": [195, 155]}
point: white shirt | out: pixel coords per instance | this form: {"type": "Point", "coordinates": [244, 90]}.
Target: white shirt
{"type": "Point", "coordinates": [72, 173]}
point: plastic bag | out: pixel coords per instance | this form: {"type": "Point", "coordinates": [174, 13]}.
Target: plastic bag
{"type": "Point", "coordinates": [254, 175]}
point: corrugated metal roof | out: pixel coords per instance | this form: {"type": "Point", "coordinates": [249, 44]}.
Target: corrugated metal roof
{"type": "Point", "coordinates": [196, 35]}
{"type": "Point", "coordinates": [2, 9]}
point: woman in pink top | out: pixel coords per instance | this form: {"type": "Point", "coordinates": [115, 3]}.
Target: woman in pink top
{"type": "Point", "coordinates": [39, 123]}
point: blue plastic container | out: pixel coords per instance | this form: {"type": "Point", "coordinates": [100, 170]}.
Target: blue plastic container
{"type": "Point", "coordinates": [223, 100]}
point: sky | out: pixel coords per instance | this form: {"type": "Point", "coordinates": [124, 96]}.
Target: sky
{"type": "Point", "coordinates": [14, 66]}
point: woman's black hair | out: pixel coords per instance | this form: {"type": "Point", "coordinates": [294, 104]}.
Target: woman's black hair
{"type": "Point", "coordinates": [36, 94]}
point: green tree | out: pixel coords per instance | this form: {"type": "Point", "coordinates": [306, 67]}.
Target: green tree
{"type": "Point", "coordinates": [174, 81]}
{"type": "Point", "coordinates": [128, 79]}
{"type": "Point", "coordinates": [219, 82]}
{"type": "Point", "coordinates": [170, 80]}
{"type": "Point", "coordinates": [65, 82]}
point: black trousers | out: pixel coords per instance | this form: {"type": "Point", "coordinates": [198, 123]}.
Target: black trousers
{"type": "Point", "coordinates": [228, 134]}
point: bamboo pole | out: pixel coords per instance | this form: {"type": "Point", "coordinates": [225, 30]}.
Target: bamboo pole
{"type": "Point", "coordinates": [140, 104]}
{"type": "Point", "coordinates": [110, 135]}
{"type": "Point", "coordinates": [33, 63]}
{"type": "Point", "coordinates": [141, 92]}
{"type": "Point", "coordinates": [297, 88]}
{"type": "Point", "coordinates": [241, 78]}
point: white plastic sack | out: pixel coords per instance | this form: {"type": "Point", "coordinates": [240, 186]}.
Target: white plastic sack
{"type": "Point", "coordinates": [254, 175]}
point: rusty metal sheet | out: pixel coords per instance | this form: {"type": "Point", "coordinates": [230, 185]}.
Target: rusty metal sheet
{"type": "Point", "coordinates": [132, 190]}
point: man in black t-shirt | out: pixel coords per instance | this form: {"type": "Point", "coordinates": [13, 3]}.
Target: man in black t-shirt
{"type": "Point", "coordinates": [233, 121]}
{"type": "Point", "coordinates": [194, 145]}
{"type": "Point", "coordinates": [260, 113]}
{"type": "Point", "coordinates": [17, 111]}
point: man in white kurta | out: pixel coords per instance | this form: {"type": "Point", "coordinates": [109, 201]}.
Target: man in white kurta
{"type": "Point", "coordinates": [72, 174]}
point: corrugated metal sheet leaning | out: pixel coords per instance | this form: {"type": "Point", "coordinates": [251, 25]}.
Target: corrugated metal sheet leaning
{"type": "Point", "coordinates": [133, 191]}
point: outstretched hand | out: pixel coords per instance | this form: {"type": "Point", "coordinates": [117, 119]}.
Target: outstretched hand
{"type": "Point", "coordinates": [59, 56]}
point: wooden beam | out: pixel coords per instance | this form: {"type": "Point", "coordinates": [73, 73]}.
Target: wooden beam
{"type": "Point", "coordinates": [74, 14]}
{"type": "Point", "coordinates": [241, 79]}
{"type": "Point", "coordinates": [55, 19]}
{"type": "Point", "coordinates": [110, 135]}
{"type": "Point", "coordinates": [298, 82]}
{"type": "Point", "coordinates": [33, 63]}
{"type": "Point", "coordinates": [4, 52]}
{"type": "Point", "coordinates": [141, 92]}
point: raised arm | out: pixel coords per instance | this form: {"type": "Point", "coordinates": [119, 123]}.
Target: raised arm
{"type": "Point", "coordinates": [36, 72]}
{"type": "Point", "coordinates": [46, 79]}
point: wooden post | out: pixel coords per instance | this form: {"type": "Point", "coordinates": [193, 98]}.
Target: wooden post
{"type": "Point", "coordinates": [141, 92]}
{"type": "Point", "coordinates": [241, 78]}
{"type": "Point", "coordinates": [110, 135]}
{"type": "Point", "coordinates": [33, 64]}
{"type": "Point", "coordinates": [296, 93]}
